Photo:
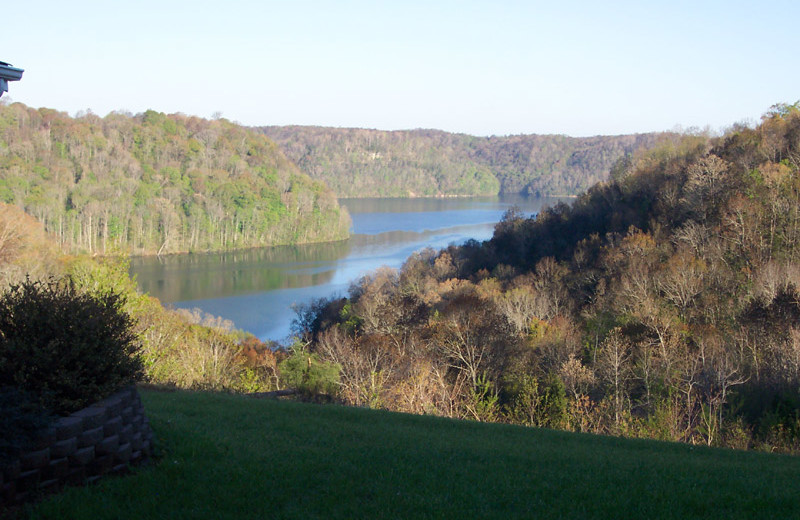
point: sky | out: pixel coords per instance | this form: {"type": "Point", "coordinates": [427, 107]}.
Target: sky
{"type": "Point", "coordinates": [498, 67]}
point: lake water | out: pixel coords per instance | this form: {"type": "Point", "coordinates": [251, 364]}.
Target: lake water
{"type": "Point", "coordinates": [257, 288]}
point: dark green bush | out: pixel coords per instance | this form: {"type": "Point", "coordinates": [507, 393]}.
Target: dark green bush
{"type": "Point", "coordinates": [306, 372]}
{"type": "Point", "coordinates": [68, 348]}
{"type": "Point", "coordinates": [22, 418]}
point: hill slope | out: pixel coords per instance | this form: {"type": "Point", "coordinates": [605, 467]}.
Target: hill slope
{"type": "Point", "coordinates": [663, 303]}
{"type": "Point", "coordinates": [234, 457]}
{"type": "Point", "coordinates": [158, 183]}
{"type": "Point", "coordinates": [375, 163]}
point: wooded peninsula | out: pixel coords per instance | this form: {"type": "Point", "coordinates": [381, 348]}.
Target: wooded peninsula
{"type": "Point", "coordinates": [156, 183]}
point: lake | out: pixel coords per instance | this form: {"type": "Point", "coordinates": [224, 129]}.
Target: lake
{"type": "Point", "coordinates": [257, 288]}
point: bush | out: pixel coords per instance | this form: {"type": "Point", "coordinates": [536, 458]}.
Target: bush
{"type": "Point", "coordinates": [304, 371]}
{"type": "Point", "coordinates": [66, 347]}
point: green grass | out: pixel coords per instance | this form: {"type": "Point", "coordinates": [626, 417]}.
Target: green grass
{"type": "Point", "coordinates": [227, 456]}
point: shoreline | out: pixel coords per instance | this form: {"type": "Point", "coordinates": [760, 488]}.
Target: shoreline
{"type": "Point", "coordinates": [216, 251]}
{"type": "Point", "coordinates": [455, 196]}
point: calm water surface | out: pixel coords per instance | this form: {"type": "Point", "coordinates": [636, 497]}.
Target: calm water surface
{"type": "Point", "coordinates": [257, 288]}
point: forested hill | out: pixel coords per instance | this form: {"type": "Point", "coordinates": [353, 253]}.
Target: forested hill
{"type": "Point", "coordinates": [663, 303]}
{"type": "Point", "coordinates": [158, 183]}
{"type": "Point", "coordinates": [425, 163]}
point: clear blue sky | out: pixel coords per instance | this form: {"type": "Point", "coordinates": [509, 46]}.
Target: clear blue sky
{"type": "Point", "coordinates": [490, 67]}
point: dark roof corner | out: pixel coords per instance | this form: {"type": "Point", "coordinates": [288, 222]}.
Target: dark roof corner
{"type": "Point", "coordinates": [8, 73]}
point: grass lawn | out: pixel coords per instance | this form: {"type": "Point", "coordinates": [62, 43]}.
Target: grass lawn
{"type": "Point", "coordinates": [227, 456]}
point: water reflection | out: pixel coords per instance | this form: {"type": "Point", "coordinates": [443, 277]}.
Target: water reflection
{"type": "Point", "coordinates": [257, 288]}
{"type": "Point", "coordinates": [175, 278]}
{"type": "Point", "coordinates": [372, 216]}
{"type": "Point", "coordinates": [400, 205]}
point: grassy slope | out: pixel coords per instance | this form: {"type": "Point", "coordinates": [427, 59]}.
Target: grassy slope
{"type": "Point", "coordinates": [233, 457]}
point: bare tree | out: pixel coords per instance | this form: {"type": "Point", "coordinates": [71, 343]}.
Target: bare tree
{"type": "Point", "coordinates": [366, 365]}
{"type": "Point", "coordinates": [706, 182]}
{"type": "Point", "coordinates": [577, 378]}
{"type": "Point", "coordinates": [681, 281]}
{"type": "Point", "coordinates": [519, 305]}
{"type": "Point", "coordinates": [721, 371]}
{"type": "Point", "coordinates": [613, 365]}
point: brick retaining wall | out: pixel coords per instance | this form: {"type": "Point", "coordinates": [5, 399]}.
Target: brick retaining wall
{"type": "Point", "coordinates": [107, 437]}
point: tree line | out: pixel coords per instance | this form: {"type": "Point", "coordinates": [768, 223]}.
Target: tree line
{"type": "Point", "coordinates": [429, 163]}
{"type": "Point", "coordinates": [664, 303]}
{"type": "Point", "coordinates": [155, 183]}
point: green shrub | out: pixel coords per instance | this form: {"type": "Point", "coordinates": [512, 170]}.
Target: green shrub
{"type": "Point", "coordinates": [66, 347]}
{"type": "Point", "coordinates": [306, 372]}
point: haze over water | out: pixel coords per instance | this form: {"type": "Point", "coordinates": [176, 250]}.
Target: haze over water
{"type": "Point", "coordinates": [257, 288]}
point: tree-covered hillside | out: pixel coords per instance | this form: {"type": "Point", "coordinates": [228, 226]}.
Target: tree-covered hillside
{"type": "Point", "coordinates": [556, 164]}
{"type": "Point", "coordinates": [185, 348]}
{"type": "Point", "coordinates": [427, 163]}
{"type": "Point", "coordinates": [663, 303]}
{"type": "Point", "coordinates": [375, 163]}
{"type": "Point", "coordinates": [158, 183]}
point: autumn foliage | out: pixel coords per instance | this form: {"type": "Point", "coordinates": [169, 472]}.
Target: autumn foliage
{"type": "Point", "coordinates": [664, 303]}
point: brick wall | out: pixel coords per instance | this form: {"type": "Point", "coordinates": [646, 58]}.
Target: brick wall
{"type": "Point", "coordinates": [107, 437]}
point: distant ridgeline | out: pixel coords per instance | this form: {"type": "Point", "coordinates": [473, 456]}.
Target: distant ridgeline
{"type": "Point", "coordinates": [158, 183]}
{"type": "Point", "coordinates": [426, 163]}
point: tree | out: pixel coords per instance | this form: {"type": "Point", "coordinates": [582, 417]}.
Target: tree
{"type": "Point", "coordinates": [707, 181]}
{"type": "Point", "coordinates": [304, 371]}
{"type": "Point", "coordinates": [472, 337]}
{"type": "Point", "coordinates": [613, 364]}
{"type": "Point", "coordinates": [365, 365]}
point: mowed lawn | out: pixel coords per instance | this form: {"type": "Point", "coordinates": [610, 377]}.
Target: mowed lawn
{"type": "Point", "coordinates": [227, 456]}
